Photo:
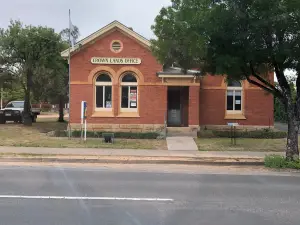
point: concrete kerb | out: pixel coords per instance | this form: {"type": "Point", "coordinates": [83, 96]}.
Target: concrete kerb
{"type": "Point", "coordinates": [131, 156]}
{"type": "Point", "coordinates": [139, 160]}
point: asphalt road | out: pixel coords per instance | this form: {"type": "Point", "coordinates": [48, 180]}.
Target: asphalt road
{"type": "Point", "coordinates": [114, 197]}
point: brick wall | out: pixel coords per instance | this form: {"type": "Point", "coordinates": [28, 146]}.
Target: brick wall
{"type": "Point", "coordinates": [259, 108]}
{"type": "Point", "coordinates": [206, 104]}
{"type": "Point", "coordinates": [81, 62]}
{"type": "Point", "coordinates": [153, 105]}
{"type": "Point", "coordinates": [258, 105]}
{"type": "Point", "coordinates": [152, 98]}
{"type": "Point", "coordinates": [212, 107]}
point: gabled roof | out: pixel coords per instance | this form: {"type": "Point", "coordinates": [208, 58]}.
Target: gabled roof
{"type": "Point", "coordinates": [113, 25]}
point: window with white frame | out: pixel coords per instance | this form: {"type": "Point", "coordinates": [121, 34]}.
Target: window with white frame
{"type": "Point", "coordinates": [234, 96]}
{"type": "Point", "coordinates": [103, 86]}
{"type": "Point", "coordinates": [129, 92]}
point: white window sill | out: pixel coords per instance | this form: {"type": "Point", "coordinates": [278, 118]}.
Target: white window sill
{"type": "Point", "coordinates": [130, 110]}
{"type": "Point", "coordinates": [234, 116]}
{"type": "Point", "coordinates": [102, 114]}
{"type": "Point", "coordinates": [129, 114]}
{"type": "Point", "coordinates": [103, 110]}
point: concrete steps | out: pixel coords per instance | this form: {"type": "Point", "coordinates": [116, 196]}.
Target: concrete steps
{"type": "Point", "coordinates": [181, 132]}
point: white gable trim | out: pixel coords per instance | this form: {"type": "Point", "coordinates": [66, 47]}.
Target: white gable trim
{"type": "Point", "coordinates": [115, 24]}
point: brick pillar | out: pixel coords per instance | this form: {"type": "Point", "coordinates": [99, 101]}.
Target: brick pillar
{"type": "Point", "coordinates": [194, 92]}
{"type": "Point", "coordinates": [116, 101]}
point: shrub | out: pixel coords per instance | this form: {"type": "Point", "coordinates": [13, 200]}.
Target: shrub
{"type": "Point", "coordinates": [261, 134]}
{"type": "Point", "coordinates": [93, 134]}
{"type": "Point", "coordinates": [206, 134]}
{"type": "Point", "coordinates": [277, 161]}
{"type": "Point", "coordinates": [59, 133]}
{"type": "Point", "coordinates": [293, 165]}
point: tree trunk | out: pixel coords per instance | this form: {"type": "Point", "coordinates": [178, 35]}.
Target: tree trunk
{"type": "Point", "coordinates": [292, 109]}
{"type": "Point", "coordinates": [61, 109]}
{"type": "Point", "coordinates": [292, 151]}
{"type": "Point", "coordinates": [27, 120]}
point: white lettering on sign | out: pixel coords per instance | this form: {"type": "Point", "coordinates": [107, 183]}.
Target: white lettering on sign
{"type": "Point", "coordinates": [126, 61]}
{"type": "Point", "coordinates": [233, 124]}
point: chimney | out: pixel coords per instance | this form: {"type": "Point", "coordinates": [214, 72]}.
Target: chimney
{"type": "Point", "coordinates": [130, 28]}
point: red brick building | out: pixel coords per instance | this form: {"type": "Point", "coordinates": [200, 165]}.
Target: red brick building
{"type": "Point", "coordinates": [126, 89]}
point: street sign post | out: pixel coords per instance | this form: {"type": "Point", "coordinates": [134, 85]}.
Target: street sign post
{"type": "Point", "coordinates": [233, 132]}
{"type": "Point", "coordinates": [83, 118]}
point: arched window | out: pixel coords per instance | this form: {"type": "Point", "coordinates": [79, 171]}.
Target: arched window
{"type": "Point", "coordinates": [129, 78]}
{"type": "Point", "coordinates": [103, 94]}
{"type": "Point", "coordinates": [234, 96]}
{"type": "Point", "coordinates": [234, 83]}
{"type": "Point", "coordinates": [129, 92]}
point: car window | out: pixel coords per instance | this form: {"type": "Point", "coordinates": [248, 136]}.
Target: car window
{"type": "Point", "coordinates": [15, 105]}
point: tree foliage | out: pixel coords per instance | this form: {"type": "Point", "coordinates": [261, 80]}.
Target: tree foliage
{"type": "Point", "coordinates": [65, 34]}
{"type": "Point", "coordinates": [57, 89]}
{"type": "Point", "coordinates": [26, 49]}
{"type": "Point", "coordinates": [244, 39]}
{"type": "Point", "coordinates": [280, 114]}
{"type": "Point", "coordinates": [30, 59]}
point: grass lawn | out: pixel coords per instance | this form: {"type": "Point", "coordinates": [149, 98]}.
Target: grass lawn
{"type": "Point", "coordinates": [242, 144]}
{"type": "Point", "coordinates": [17, 135]}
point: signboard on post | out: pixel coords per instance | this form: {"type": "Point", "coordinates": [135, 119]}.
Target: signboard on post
{"type": "Point", "coordinates": [83, 111]}
{"type": "Point", "coordinates": [233, 132]}
{"type": "Point", "coordinates": [83, 117]}
{"type": "Point", "coordinates": [233, 124]}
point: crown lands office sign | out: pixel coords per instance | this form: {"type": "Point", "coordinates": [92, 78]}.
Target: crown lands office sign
{"type": "Point", "coordinates": [116, 61]}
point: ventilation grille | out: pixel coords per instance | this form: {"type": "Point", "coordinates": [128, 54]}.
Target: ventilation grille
{"type": "Point", "coordinates": [116, 46]}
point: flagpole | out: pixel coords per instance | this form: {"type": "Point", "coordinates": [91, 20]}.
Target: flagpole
{"type": "Point", "coordinates": [1, 100]}
{"type": "Point", "coordinates": [69, 122]}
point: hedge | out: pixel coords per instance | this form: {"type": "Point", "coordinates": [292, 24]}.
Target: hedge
{"type": "Point", "coordinates": [260, 134]}
{"type": "Point", "coordinates": [125, 135]}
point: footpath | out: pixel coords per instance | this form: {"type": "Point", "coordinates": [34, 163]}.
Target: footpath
{"type": "Point", "coordinates": [130, 156]}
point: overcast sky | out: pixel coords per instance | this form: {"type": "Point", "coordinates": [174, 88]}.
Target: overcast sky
{"type": "Point", "coordinates": [88, 15]}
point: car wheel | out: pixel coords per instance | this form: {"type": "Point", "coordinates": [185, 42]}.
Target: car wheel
{"type": "Point", "coordinates": [34, 119]}
{"type": "Point", "coordinates": [2, 121]}
{"type": "Point", "coordinates": [21, 119]}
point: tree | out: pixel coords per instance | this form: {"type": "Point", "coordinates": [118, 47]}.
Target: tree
{"type": "Point", "coordinates": [59, 80]}
{"type": "Point", "coordinates": [24, 50]}
{"type": "Point", "coordinates": [280, 114]}
{"type": "Point", "coordinates": [55, 90]}
{"type": "Point", "coordinates": [65, 34]}
{"type": "Point", "coordinates": [6, 78]}
{"type": "Point", "coordinates": [5, 82]}
{"type": "Point", "coordinates": [63, 69]}
{"type": "Point", "coordinates": [10, 89]}
{"type": "Point", "coordinates": [244, 39]}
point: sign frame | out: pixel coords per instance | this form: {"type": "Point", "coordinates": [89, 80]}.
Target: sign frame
{"type": "Point", "coordinates": [116, 61]}
{"type": "Point", "coordinates": [233, 124]}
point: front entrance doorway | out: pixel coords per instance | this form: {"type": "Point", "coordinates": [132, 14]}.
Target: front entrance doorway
{"type": "Point", "coordinates": [178, 106]}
